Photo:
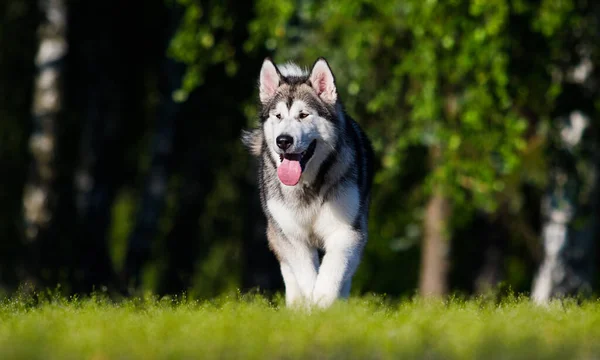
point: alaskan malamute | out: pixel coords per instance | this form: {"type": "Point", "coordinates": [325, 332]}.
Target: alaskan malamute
{"type": "Point", "coordinates": [315, 174]}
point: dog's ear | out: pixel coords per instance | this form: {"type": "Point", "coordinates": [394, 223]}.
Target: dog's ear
{"type": "Point", "coordinates": [269, 80]}
{"type": "Point", "coordinates": [252, 140]}
{"type": "Point", "coordinates": [322, 80]}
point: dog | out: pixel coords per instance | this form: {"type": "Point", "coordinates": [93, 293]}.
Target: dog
{"type": "Point", "coordinates": [315, 171]}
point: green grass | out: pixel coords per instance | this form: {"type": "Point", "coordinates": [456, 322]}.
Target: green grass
{"type": "Point", "coordinates": [253, 327]}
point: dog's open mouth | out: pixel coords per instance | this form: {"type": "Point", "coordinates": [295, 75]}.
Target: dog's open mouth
{"type": "Point", "coordinates": [292, 165]}
{"type": "Point", "coordinates": [302, 157]}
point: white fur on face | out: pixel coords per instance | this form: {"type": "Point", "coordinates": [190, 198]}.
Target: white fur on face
{"type": "Point", "coordinates": [303, 131]}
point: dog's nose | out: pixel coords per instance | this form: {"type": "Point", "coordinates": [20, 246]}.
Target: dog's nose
{"type": "Point", "coordinates": [284, 141]}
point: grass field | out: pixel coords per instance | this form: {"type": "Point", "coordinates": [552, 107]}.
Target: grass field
{"type": "Point", "coordinates": [255, 328]}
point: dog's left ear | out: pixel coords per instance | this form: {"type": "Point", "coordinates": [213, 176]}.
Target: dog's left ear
{"type": "Point", "coordinates": [323, 82]}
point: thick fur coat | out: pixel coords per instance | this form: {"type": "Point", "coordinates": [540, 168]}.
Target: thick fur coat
{"type": "Point", "coordinates": [315, 175]}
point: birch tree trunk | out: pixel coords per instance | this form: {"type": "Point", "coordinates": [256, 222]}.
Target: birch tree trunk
{"type": "Point", "coordinates": [570, 210]}
{"type": "Point", "coordinates": [39, 197]}
{"type": "Point", "coordinates": [570, 206]}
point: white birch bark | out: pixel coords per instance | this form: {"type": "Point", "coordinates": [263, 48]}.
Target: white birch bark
{"type": "Point", "coordinates": [38, 198]}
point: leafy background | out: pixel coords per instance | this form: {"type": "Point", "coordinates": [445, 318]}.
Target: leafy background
{"type": "Point", "coordinates": [461, 99]}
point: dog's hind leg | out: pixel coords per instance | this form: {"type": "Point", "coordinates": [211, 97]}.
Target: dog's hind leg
{"type": "Point", "coordinates": [346, 286]}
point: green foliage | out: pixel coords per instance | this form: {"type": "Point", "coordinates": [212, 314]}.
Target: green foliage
{"type": "Point", "coordinates": [456, 95]}
{"type": "Point", "coordinates": [432, 74]}
{"type": "Point", "coordinates": [254, 327]}
{"type": "Point", "coordinates": [195, 44]}
{"type": "Point", "coordinates": [122, 224]}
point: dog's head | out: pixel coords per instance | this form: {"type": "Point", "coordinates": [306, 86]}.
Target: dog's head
{"type": "Point", "coordinates": [299, 114]}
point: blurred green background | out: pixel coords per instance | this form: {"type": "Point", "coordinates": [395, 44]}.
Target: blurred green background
{"type": "Point", "coordinates": [122, 166]}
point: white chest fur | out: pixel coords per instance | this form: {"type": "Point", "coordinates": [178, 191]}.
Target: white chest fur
{"type": "Point", "coordinates": [298, 221]}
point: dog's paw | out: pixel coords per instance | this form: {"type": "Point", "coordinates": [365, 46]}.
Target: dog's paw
{"type": "Point", "coordinates": [323, 300]}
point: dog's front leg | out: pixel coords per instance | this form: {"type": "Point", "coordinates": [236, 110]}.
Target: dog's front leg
{"type": "Point", "coordinates": [343, 249]}
{"type": "Point", "coordinates": [293, 293]}
{"type": "Point", "coordinates": [298, 262]}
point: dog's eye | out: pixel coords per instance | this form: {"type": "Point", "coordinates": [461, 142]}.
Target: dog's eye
{"type": "Point", "coordinates": [278, 116]}
{"type": "Point", "coordinates": [302, 115]}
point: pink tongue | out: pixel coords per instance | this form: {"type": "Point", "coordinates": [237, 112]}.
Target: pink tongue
{"type": "Point", "coordinates": [289, 172]}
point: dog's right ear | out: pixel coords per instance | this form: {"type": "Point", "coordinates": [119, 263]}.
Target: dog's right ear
{"type": "Point", "coordinates": [269, 80]}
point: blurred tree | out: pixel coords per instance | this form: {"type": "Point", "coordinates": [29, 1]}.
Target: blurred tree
{"type": "Point", "coordinates": [571, 213]}
{"type": "Point", "coordinates": [570, 204]}
{"type": "Point", "coordinates": [436, 246]}
{"type": "Point", "coordinates": [108, 88]}
{"type": "Point", "coordinates": [154, 193]}
{"type": "Point", "coordinates": [39, 197]}
{"type": "Point", "coordinates": [216, 221]}
{"type": "Point", "coordinates": [19, 22]}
